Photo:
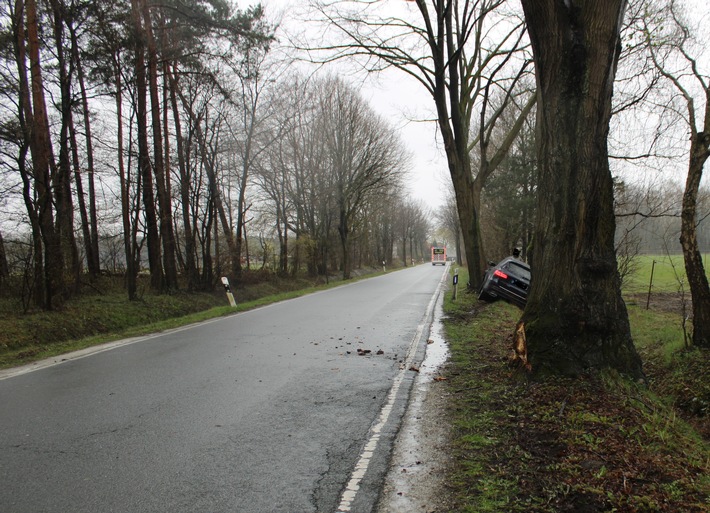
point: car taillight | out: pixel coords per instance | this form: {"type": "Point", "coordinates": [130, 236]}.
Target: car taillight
{"type": "Point", "coordinates": [500, 274]}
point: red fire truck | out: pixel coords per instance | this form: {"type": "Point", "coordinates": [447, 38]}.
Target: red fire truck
{"type": "Point", "coordinates": [438, 256]}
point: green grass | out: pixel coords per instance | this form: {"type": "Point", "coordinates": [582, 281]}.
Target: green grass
{"type": "Point", "coordinates": [668, 274]}
{"type": "Point", "coordinates": [95, 319]}
{"type": "Point", "coordinates": [656, 330]}
{"type": "Point", "coordinates": [475, 407]}
{"type": "Point", "coordinates": [597, 444]}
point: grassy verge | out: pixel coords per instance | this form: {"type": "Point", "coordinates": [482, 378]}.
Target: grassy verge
{"type": "Point", "coordinates": [601, 444]}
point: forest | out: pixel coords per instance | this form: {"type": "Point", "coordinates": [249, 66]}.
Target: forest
{"type": "Point", "coordinates": [165, 140]}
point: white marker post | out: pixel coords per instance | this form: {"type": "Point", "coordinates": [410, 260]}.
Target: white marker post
{"type": "Point", "coordinates": [228, 290]}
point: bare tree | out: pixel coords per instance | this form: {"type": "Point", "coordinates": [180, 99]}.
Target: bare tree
{"type": "Point", "coordinates": [298, 164]}
{"type": "Point", "coordinates": [640, 208]}
{"type": "Point", "coordinates": [448, 220]}
{"type": "Point", "coordinates": [383, 224]}
{"type": "Point", "coordinates": [4, 269]}
{"type": "Point", "coordinates": [61, 176]}
{"type": "Point", "coordinates": [462, 53]}
{"type": "Point", "coordinates": [162, 177]}
{"type": "Point", "coordinates": [364, 155]}
{"type": "Point", "coordinates": [328, 175]}
{"type": "Point", "coordinates": [253, 109]}
{"type": "Point", "coordinates": [675, 54]}
{"type": "Point", "coordinates": [418, 230]}
{"type": "Point", "coordinates": [144, 163]}
{"type": "Point", "coordinates": [89, 222]}
{"type": "Point", "coordinates": [406, 221]}
{"type": "Point", "coordinates": [34, 120]}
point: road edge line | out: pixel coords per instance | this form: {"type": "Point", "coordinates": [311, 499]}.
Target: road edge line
{"type": "Point", "coordinates": [350, 492]}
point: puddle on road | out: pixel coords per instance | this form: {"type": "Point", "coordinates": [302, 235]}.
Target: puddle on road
{"type": "Point", "coordinates": [437, 351]}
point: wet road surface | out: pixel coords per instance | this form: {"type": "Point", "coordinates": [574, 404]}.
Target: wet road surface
{"type": "Point", "coordinates": [270, 410]}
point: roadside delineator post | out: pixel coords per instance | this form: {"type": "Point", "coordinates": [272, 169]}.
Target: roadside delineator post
{"type": "Point", "coordinates": [650, 284]}
{"type": "Point", "coordinates": [456, 282]}
{"type": "Point", "coordinates": [228, 290]}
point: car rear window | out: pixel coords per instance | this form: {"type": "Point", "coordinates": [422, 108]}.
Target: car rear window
{"type": "Point", "coordinates": [519, 270]}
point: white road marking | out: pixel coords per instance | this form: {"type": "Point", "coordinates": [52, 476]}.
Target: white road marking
{"type": "Point", "coordinates": [351, 489]}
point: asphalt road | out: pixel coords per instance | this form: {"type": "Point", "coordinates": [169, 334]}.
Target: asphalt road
{"type": "Point", "coordinates": [272, 410]}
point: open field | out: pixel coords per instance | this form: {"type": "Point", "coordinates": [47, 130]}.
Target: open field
{"type": "Point", "coordinates": [668, 274]}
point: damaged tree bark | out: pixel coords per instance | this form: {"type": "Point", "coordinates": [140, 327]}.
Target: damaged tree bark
{"type": "Point", "coordinates": [575, 319]}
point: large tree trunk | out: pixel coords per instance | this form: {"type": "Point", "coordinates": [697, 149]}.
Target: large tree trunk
{"type": "Point", "coordinates": [206, 241]}
{"type": "Point", "coordinates": [62, 177]}
{"type": "Point", "coordinates": [283, 228]}
{"type": "Point", "coordinates": [24, 115]}
{"type": "Point", "coordinates": [459, 162]}
{"type": "Point", "coordinates": [4, 269]}
{"type": "Point", "coordinates": [575, 318]}
{"type": "Point", "coordinates": [191, 272]}
{"type": "Point", "coordinates": [344, 232]}
{"type": "Point", "coordinates": [129, 239]}
{"type": "Point", "coordinates": [161, 177]}
{"type": "Point", "coordinates": [92, 242]}
{"type": "Point", "coordinates": [151, 220]}
{"type": "Point", "coordinates": [454, 125]}
{"type": "Point", "coordinates": [219, 204]}
{"type": "Point", "coordinates": [83, 213]}
{"type": "Point", "coordinates": [283, 243]}
{"type": "Point", "coordinates": [694, 269]}
{"type": "Point", "coordinates": [241, 202]}
{"type": "Point", "coordinates": [42, 160]}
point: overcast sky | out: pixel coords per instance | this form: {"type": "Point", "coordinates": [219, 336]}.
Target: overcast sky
{"type": "Point", "coordinates": [405, 104]}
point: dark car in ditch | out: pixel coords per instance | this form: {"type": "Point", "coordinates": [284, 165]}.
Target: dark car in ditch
{"type": "Point", "coordinates": [509, 279]}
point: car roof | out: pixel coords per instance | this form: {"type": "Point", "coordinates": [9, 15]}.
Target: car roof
{"type": "Point", "coordinates": [514, 260]}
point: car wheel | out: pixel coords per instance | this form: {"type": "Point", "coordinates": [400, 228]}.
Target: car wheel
{"type": "Point", "coordinates": [483, 295]}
